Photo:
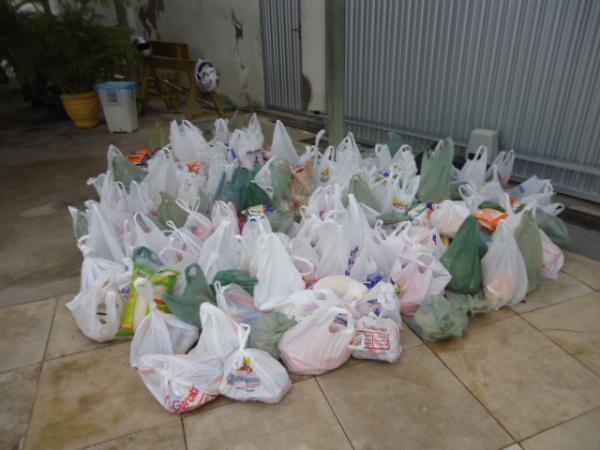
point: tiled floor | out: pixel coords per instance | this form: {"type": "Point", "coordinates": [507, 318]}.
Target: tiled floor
{"type": "Point", "coordinates": [523, 377]}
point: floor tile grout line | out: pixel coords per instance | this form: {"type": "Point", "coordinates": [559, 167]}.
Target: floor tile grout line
{"type": "Point", "coordinates": [14, 369]}
{"type": "Point", "coordinates": [553, 304]}
{"type": "Point", "coordinates": [558, 346]}
{"type": "Point", "coordinates": [124, 435]}
{"type": "Point", "coordinates": [29, 302]}
{"type": "Point", "coordinates": [185, 440]}
{"type": "Point", "coordinates": [39, 376]}
{"type": "Point", "coordinates": [473, 394]}
{"type": "Point", "coordinates": [581, 281]}
{"type": "Point", "coordinates": [79, 352]}
{"type": "Point", "coordinates": [334, 413]}
{"type": "Point", "coordinates": [595, 408]}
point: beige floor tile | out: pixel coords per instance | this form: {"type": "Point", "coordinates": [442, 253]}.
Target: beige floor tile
{"type": "Point", "coordinates": [89, 398]}
{"type": "Point", "coordinates": [24, 333]}
{"type": "Point", "coordinates": [552, 292]}
{"type": "Point", "coordinates": [581, 433]}
{"type": "Point", "coordinates": [17, 392]}
{"type": "Point", "coordinates": [491, 317]}
{"type": "Point", "coordinates": [583, 269]}
{"type": "Point", "coordinates": [513, 447]}
{"type": "Point", "coordinates": [525, 380]}
{"type": "Point", "coordinates": [168, 436]}
{"type": "Point", "coordinates": [408, 338]}
{"type": "Point", "coordinates": [65, 336]}
{"type": "Point", "coordinates": [575, 326]}
{"type": "Point", "coordinates": [302, 420]}
{"type": "Point", "coordinates": [416, 401]}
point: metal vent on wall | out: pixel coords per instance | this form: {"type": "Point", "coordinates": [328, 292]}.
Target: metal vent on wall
{"type": "Point", "coordinates": [529, 69]}
{"type": "Point", "coordinates": [282, 54]}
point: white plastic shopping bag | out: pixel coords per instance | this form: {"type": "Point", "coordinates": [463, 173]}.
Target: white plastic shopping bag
{"type": "Point", "coordinates": [255, 227]}
{"type": "Point", "coordinates": [219, 336]}
{"type": "Point", "coordinates": [235, 302]}
{"type": "Point", "coordinates": [534, 190]}
{"type": "Point", "coordinates": [403, 163]}
{"type": "Point", "coordinates": [503, 269]}
{"type": "Point", "coordinates": [103, 237]}
{"type": "Point", "coordinates": [333, 249]}
{"type": "Point", "coordinates": [504, 164]}
{"type": "Point", "coordinates": [384, 157]}
{"type": "Point", "coordinates": [282, 148]}
{"type": "Point", "coordinates": [448, 216]}
{"type": "Point", "coordinates": [473, 171]}
{"type": "Point", "coordinates": [187, 142]}
{"type": "Point", "coordinates": [98, 310]}
{"type": "Point", "coordinates": [304, 303]}
{"type": "Point", "coordinates": [225, 212]}
{"type": "Point", "coordinates": [319, 342]}
{"type": "Point", "coordinates": [163, 334]}
{"type": "Point", "coordinates": [347, 289]}
{"type": "Point", "coordinates": [376, 338]}
{"type": "Point", "coordinates": [263, 178]}
{"type": "Point", "coordinates": [220, 251]}
{"type": "Point", "coordinates": [381, 300]}
{"type": "Point", "coordinates": [277, 275]}
{"type": "Point", "coordinates": [553, 257]}
{"type": "Point", "coordinates": [147, 234]}
{"type": "Point", "coordinates": [253, 375]}
{"type": "Point", "coordinates": [247, 147]}
{"type": "Point", "coordinates": [181, 383]}
{"type": "Point", "coordinates": [417, 278]}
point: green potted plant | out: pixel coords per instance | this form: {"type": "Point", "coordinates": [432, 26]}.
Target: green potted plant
{"type": "Point", "coordinates": [74, 51]}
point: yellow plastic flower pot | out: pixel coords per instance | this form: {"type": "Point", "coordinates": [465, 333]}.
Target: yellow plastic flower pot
{"type": "Point", "coordinates": [82, 108]}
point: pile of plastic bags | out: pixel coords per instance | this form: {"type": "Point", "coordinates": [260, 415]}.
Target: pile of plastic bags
{"type": "Point", "coordinates": [228, 261]}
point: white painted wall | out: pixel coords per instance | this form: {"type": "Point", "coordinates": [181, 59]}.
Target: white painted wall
{"type": "Point", "coordinates": [209, 29]}
{"type": "Point", "coordinates": [312, 19]}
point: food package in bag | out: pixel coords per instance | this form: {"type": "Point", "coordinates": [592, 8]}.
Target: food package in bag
{"type": "Point", "coordinates": [181, 383]}
{"type": "Point", "coordinates": [163, 334]}
{"type": "Point", "coordinates": [219, 334]}
{"type": "Point", "coordinates": [504, 270]}
{"type": "Point", "coordinates": [448, 216]}
{"type": "Point", "coordinates": [381, 300]}
{"type": "Point", "coordinates": [235, 302]}
{"type": "Point", "coordinates": [253, 375]}
{"type": "Point", "coordinates": [553, 257]}
{"type": "Point", "coordinates": [319, 342]}
{"type": "Point", "coordinates": [376, 338]}
{"type": "Point", "coordinates": [346, 288]}
{"type": "Point", "coordinates": [417, 278]}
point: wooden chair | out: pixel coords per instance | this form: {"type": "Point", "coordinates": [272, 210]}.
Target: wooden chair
{"type": "Point", "coordinates": [171, 92]}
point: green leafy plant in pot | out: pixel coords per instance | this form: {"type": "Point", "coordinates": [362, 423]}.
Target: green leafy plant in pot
{"type": "Point", "coordinates": [74, 51]}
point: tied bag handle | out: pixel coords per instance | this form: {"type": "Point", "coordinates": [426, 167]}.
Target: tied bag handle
{"type": "Point", "coordinates": [243, 334]}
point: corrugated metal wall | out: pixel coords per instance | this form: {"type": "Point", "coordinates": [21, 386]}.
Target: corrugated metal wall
{"type": "Point", "coordinates": [436, 68]}
{"type": "Point", "coordinates": [281, 53]}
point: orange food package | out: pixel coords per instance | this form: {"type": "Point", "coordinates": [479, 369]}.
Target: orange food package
{"type": "Point", "coordinates": [490, 218]}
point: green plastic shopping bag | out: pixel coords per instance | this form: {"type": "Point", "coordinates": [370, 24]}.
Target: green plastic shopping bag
{"type": "Point", "coordinates": [197, 291]}
{"type": "Point", "coordinates": [553, 226]}
{"type": "Point", "coordinates": [529, 240]}
{"type": "Point", "coordinates": [242, 279]}
{"type": "Point", "coordinates": [438, 319]}
{"type": "Point", "coordinates": [267, 330]}
{"type": "Point", "coordinates": [436, 168]}
{"type": "Point", "coordinates": [253, 195]}
{"type": "Point", "coordinates": [462, 259]}
{"type": "Point", "coordinates": [363, 193]}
